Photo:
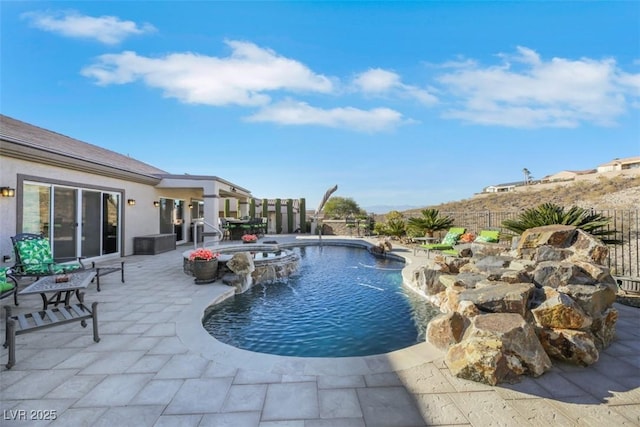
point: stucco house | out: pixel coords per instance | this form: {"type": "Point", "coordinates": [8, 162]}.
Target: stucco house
{"type": "Point", "coordinates": [620, 164]}
{"type": "Point", "coordinates": [502, 188]}
{"type": "Point", "coordinates": [91, 201]}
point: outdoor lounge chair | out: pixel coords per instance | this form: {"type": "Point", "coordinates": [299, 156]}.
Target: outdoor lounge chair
{"type": "Point", "coordinates": [34, 258]}
{"type": "Point", "coordinates": [450, 239]}
{"type": "Point", "coordinates": [485, 236]}
{"type": "Point", "coordinates": [8, 285]}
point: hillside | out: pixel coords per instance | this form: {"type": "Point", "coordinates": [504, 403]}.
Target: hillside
{"type": "Point", "coordinates": [617, 192]}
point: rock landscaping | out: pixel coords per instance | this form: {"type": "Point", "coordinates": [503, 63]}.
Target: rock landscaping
{"type": "Point", "coordinates": [508, 312]}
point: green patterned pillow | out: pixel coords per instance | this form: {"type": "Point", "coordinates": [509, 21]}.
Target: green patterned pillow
{"type": "Point", "coordinates": [450, 239]}
{"type": "Point", "coordinates": [37, 259]}
{"type": "Point", "coordinates": [35, 251]}
{"type": "Point", "coordinates": [4, 285]}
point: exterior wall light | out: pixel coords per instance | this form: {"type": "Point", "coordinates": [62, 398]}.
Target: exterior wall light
{"type": "Point", "coordinates": [156, 203]}
{"type": "Point", "coordinates": [131, 202]}
{"type": "Point", "coordinates": [8, 192]}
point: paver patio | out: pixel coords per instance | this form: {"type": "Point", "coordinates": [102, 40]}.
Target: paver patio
{"type": "Point", "coordinates": [156, 366]}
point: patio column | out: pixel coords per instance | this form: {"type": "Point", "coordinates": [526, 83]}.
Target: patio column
{"type": "Point", "coordinates": [243, 207]}
{"type": "Point", "coordinates": [211, 204]}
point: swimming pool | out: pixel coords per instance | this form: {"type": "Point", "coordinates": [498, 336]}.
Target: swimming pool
{"type": "Point", "coordinates": [342, 302]}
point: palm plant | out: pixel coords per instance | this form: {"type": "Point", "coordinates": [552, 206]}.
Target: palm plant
{"type": "Point", "coordinates": [395, 227]}
{"type": "Point", "coordinates": [429, 222]}
{"type": "Point", "coordinates": [550, 213]}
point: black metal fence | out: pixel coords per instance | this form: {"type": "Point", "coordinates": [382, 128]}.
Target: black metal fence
{"type": "Point", "coordinates": [624, 257]}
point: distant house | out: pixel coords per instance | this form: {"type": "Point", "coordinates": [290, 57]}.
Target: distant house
{"type": "Point", "coordinates": [620, 164]}
{"type": "Point", "coordinates": [502, 188]}
{"type": "Point", "coordinates": [616, 165]}
{"type": "Point", "coordinates": [566, 175]}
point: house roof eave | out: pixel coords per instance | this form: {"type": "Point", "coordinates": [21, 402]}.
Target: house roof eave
{"type": "Point", "coordinates": [41, 155]}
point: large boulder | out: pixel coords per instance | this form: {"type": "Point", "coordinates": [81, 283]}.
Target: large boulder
{"type": "Point", "coordinates": [593, 299]}
{"type": "Point", "coordinates": [554, 274]}
{"type": "Point", "coordinates": [470, 279]}
{"type": "Point", "coordinates": [241, 264]}
{"type": "Point", "coordinates": [561, 242]}
{"type": "Point", "coordinates": [569, 345]}
{"type": "Point", "coordinates": [589, 248]}
{"type": "Point", "coordinates": [446, 330]}
{"type": "Point", "coordinates": [604, 328]}
{"type": "Point", "coordinates": [500, 298]}
{"type": "Point", "coordinates": [554, 280]}
{"type": "Point", "coordinates": [559, 236]}
{"type": "Point", "coordinates": [560, 311]}
{"type": "Point", "coordinates": [427, 279]}
{"type": "Point", "coordinates": [516, 276]}
{"type": "Point", "coordinates": [498, 348]}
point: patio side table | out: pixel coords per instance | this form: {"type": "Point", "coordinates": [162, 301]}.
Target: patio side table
{"type": "Point", "coordinates": [77, 281]}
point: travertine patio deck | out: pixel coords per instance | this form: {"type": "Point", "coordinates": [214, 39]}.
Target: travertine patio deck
{"type": "Point", "coordinates": [155, 366]}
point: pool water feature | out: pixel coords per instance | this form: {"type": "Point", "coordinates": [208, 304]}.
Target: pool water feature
{"type": "Point", "coordinates": [271, 263]}
{"type": "Point", "coordinates": [342, 302]}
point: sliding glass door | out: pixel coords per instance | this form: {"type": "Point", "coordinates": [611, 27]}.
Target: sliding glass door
{"type": "Point", "coordinates": [65, 222]}
{"type": "Point", "coordinates": [78, 221]}
{"type": "Point", "coordinates": [91, 224]}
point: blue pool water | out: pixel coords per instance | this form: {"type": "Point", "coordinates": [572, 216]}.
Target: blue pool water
{"type": "Point", "coordinates": [343, 302]}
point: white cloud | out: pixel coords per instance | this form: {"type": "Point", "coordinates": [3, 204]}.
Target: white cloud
{"type": "Point", "coordinates": [526, 91]}
{"type": "Point", "coordinates": [379, 82]}
{"type": "Point", "coordinates": [240, 79]}
{"type": "Point", "coordinates": [300, 113]}
{"type": "Point", "coordinates": [106, 29]}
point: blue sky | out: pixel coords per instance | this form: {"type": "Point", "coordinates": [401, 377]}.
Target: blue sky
{"type": "Point", "coordinates": [398, 103]}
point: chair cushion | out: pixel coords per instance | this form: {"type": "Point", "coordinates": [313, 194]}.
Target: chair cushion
{"type": "Point", "coordinates": [452, 252]}
{"type": "Point", "coordinates": [450, 239]}
{"type": "Point", "coordinates": [4, 285]}
{"type": "Point", "coordinates": [34, 251]}
{"type": "Point", "coordinates": [436, 246]}
{"type": "Point", "coordinates": [488, 236]}
{"type": "Point", "coordinates": [65, 268]}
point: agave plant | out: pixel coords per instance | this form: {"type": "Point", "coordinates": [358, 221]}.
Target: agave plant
{"type": "Point", "coordinates": [429, 222]}
{"type": "Point", "coordinates": [550, 213]}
